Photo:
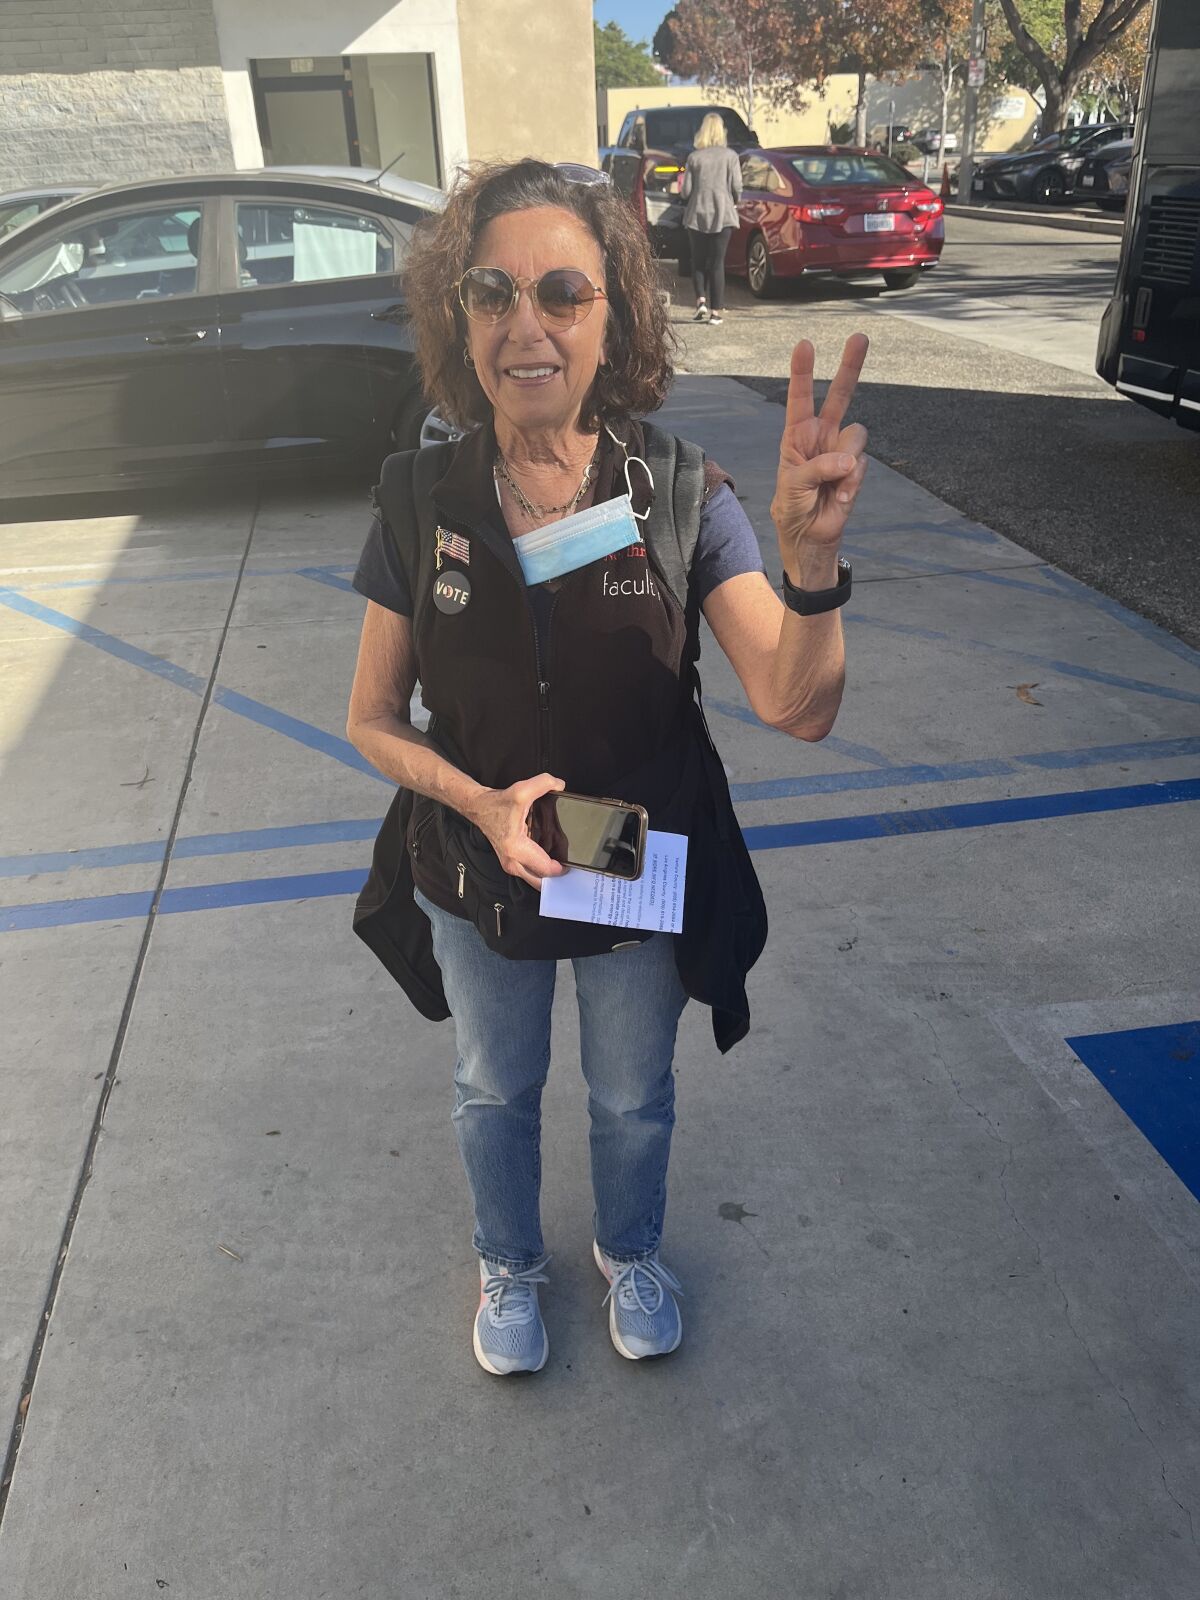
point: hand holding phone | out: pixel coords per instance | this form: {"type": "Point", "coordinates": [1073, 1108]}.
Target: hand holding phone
{"type": "Point", "coordinates": [578, 830]}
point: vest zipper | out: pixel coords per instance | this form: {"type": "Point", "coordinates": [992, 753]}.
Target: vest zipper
{"type": "Point", "coordinates": [498, 908]}
{"type": "Point", "coordinates": [543, 685]}
{"type": "Point", "coordinates": [462, 873]}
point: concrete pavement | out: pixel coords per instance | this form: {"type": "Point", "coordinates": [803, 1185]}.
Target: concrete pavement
{"type": "Point", "coordinates": [979, 386]}
{"type": "Point", "coordinates": [937, 1218]}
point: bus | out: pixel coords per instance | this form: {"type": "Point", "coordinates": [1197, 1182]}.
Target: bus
{"type": "Point", "coordinates": [1149, 345]}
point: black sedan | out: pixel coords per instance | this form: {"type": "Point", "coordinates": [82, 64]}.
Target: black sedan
{"type": "Point", "coordinates": [1046, 171]}
{"type": "Point", "coordinates": [1104, 177]}
{"type": "Point", "coordinates": [192, 326]}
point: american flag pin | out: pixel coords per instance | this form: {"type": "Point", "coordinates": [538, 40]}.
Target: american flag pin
{"type": "Point", "coordinates": [454, 545]}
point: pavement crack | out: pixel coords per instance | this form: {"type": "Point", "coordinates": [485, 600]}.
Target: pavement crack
{"type": "Point", "coordinates": [87, 1166]}
{"type": "Point", "coordinates": [1127, 1403]}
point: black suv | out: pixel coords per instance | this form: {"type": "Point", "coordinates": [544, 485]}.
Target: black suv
{"type": "Point", "coordinates": [675, 128]}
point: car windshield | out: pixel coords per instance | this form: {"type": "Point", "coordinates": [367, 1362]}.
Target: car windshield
{"type": "Point", "coordinates": [848, 167]}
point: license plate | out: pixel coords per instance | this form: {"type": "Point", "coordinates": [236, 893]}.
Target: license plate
{"type": "Point", "coordinates": [978, 184]}
{"type": "Point", "coordinates": [879, 222]}
{"type": "Point", "coordinates": [1087, 180]}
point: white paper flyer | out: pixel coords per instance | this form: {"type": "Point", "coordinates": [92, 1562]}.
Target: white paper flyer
{"type": "Point", "coordinates": [654, 901]}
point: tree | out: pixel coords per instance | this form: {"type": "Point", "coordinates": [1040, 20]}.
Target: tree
{"type": "Point", "coordinates": [867, 37]}
{"type": "Point", "coordinates": [620, 63]}
{"type": "Point", "coordinates": [1064, 42]}
{"type": "Point", "coordinates": [745, 48]}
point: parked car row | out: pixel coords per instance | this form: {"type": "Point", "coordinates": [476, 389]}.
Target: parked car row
{"type": "Point", "coordinates": [805, 209]}
{"type": "Point", "coordinates": [200, 325]}
{"type": "Point", "coordinates": [1048, 171]}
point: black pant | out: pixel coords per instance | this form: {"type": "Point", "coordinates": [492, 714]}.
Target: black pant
{"type": "Point", "coordinates": [708, 265]}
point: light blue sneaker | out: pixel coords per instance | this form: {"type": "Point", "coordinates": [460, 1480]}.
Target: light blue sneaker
{"type": "Point", "coordinates": [510, 1335]}
{"type": "Point", "coordinates": [643, 1318]}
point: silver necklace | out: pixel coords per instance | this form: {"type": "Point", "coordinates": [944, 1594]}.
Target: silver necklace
{"type": "Point", "coordinates": [526, 504]}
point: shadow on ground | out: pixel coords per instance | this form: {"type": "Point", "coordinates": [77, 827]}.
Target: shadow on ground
{"type": "Point", "coordinates": [1122, 520]}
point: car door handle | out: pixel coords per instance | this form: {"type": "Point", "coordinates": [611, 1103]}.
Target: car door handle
{"type": "Point", "coordinates": [178, 336]}
{"type": "Point", "coordinates": [392, 313]}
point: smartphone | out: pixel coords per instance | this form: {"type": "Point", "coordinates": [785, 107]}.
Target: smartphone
{"type": "Point", "coordinates": [602, 835]}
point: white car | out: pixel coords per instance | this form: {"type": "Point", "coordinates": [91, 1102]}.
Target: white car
{"type": "Point", "coordinates": [929, 141]}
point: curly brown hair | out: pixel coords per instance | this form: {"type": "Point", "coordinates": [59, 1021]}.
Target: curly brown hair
{"type": "Point", "coordinates": [639, 370]}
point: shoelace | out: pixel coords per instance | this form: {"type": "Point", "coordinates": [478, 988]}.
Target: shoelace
{"type": "Point", "coordinates": [511, 1294]}
{"type": "Point", "coordinates": [627, 1286]}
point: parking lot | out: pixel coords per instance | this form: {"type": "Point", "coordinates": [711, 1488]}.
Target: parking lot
{"type": "Point", "coordinates": [936, 1218]}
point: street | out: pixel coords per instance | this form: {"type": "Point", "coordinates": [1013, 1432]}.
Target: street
{"type": "Point", "coordinates": [979, 386]}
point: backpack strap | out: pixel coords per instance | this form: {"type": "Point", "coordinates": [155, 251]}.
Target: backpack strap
{"type": "Point", "coordinates": [404, 502]}
{"type": "Point", "coordinates": [673, 526]}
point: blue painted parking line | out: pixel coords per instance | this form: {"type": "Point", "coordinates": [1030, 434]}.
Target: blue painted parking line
{"type": "Point", "coordinates": [788, 835]}
{"type": "Point", "coordinates": [325, 576]}
{"type": "Point", "coordinates": [959, 771]}
{"type": "Point", "coordinates": [743, 713]}
{"type": "Point", "coordinates": [210, 576]}
{"type": "Point", "coordinates": [1049, 663]}
{"type": "Point", "coordinates": [972, 814]}
{"type": "Point", "coordinates": [316, 833]}
{"type": "Point", "coordinates": [940, 569]}
{"type": "Point", "coordinates": [1128, 619]}
{"type": "Point", "coordinates": [968, 532]}
{"type": "Point", "coordinates": [1154, 1076]}
{"type": "Point", "coordinates": [242, 705]}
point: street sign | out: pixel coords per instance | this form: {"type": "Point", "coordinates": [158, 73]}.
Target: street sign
{"type": "Point", "coordinates": [976, 72]}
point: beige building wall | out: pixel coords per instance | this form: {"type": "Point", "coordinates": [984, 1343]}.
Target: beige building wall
{"type": "Point", "coordinates": [833, 102]}
{"type": "Point", "coordinates": [1006, 113]}
{"type": "Point", "coordinates": [529, 79]}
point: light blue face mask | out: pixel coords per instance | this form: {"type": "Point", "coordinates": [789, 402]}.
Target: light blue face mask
{"type": "Point", "coordinates": [562, 547]}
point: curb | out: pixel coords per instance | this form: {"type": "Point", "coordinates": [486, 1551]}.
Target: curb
{"type": "Point", "coordinates": [1050, 219]}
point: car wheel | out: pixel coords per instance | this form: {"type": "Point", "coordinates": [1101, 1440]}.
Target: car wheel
{"type": "Point", "coordinates": [1110, 205]}
{"type": "Point", "coordinates": [759, 272]}
{"type": "Point", "coordinates": [1050, 187]}
{"type": "Point", "coordinates": [901, 280]}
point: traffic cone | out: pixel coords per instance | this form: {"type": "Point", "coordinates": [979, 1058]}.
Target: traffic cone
{"type": "Point", "coordinates": [945, 189]}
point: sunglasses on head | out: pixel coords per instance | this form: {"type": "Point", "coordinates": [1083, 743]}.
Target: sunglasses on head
{"type": "Point", "coordinates": [560, 297]}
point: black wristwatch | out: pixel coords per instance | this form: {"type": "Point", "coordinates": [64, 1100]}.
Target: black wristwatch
{"type": "Point", "coordinates": [810, 602]}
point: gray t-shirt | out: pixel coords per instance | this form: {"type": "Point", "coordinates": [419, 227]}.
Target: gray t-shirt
{"type": "Point", "coordinates": [725, 546]}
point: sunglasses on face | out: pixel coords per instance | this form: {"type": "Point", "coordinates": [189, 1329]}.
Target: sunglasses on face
{"type": "Point", "coordinates": [560, 297]}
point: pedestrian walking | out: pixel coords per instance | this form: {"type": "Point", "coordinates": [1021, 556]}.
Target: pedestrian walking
{"type": "Point", "coordinates": [712, 186]}
{"type": "Point", "coordinates": [537, 320]}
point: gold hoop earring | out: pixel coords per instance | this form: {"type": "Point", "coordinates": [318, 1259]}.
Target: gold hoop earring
{"type": "Point", "coordinates": [468, 359]}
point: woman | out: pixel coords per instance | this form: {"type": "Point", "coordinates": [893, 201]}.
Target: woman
{"type": "Point", "coordinates": [712, 186]}
{"type": "Point", "coordinates": [536, 315]}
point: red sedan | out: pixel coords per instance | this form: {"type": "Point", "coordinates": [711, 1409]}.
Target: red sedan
{"type": "Point", "coordinates": [849, 213]}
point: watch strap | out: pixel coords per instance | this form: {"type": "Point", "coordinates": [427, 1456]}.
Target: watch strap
{"type": "Point", "coordinates": [811, 602]}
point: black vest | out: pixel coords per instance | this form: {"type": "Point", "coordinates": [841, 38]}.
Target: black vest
{"type": "Point", "coordinates": [607, 702]}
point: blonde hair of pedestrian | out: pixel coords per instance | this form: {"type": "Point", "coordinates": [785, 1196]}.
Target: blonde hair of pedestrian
{"type": "Point", "coordinates": [712, 131]}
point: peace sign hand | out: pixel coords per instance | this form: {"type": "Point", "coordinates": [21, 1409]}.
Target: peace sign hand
{"type": "Point", "coordinates": [821, 464]}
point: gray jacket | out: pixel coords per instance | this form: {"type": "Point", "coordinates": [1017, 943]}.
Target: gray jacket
{"type": "Point", "coordinates": [712, 187]}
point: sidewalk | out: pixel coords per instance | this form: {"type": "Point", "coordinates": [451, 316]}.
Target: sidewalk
{"type": "Point", "coordinates": [936, 1218]}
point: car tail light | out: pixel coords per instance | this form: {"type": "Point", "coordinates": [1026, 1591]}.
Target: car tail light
{"type": "Point", "coordinates": [933, 207]}
{"type": "Point", "coordinates": [818, 213]}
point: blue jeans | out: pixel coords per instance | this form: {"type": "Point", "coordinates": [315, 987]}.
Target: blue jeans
{"type": "Point", "coordinates": [629, 1008]}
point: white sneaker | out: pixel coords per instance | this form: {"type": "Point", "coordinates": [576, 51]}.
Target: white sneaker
{"type": "Point", "coordinates": [643, 1318]}
{"type": "Point", "coordinates": [509, 1334]}
{"type": "Point", "coordinates": [716, 318]}
{"type": "Point", "coordinates": [701, 313]}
